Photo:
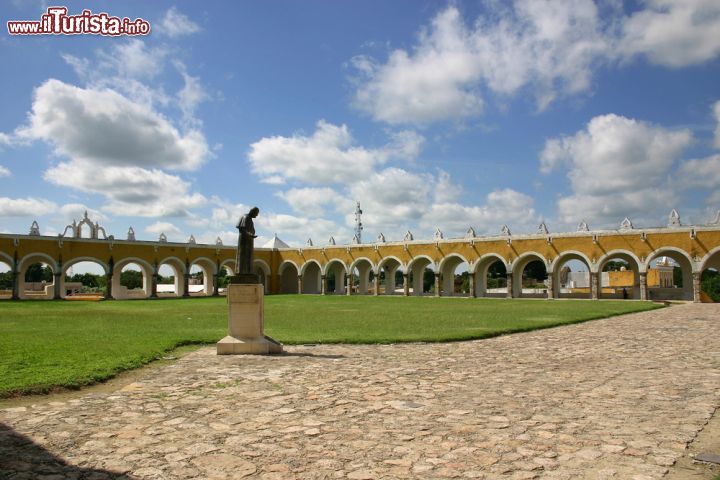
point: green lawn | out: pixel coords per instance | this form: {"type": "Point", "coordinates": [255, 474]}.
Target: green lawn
{"type": "Point", "coordinates": [67, 344]}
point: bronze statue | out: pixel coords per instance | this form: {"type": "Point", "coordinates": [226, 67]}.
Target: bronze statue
{"type": "Point", "coordinates": [246, 238]}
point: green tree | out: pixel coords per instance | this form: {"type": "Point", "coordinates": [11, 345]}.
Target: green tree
{"type": "Point", "coordinates": [710, 284]}
{"type": "Point", "coordinates": [428, 280]}
{"type": "Point", "coordinates": [6, 281]}
{"type": "Point", "coordinates": [535, 270]}
{"type": "Point", "coordinates": [677, 277]}
{"type": "Point", "coordinates": [131, 279]}
{"type": "Point", "coordinates": [37, 272]}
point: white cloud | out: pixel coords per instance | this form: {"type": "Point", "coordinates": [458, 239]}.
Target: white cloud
{"type": "Point", "coordinates": [501, 207]}
{"type": "Point", "coordinates": [4, 172]}
{"type": "Point", "coordinates": [296, 230]}
{"type": "Point", "coordinates": [716, 111]}
{"type": "Point", "coordinates": [124, 67]}
{"type": "Point", "coordinates": [392, 199]}
{"type": "Point", "coordinates": [617, 167]}
{"type": "Point", "coordinates": [104, 127]}
{"type": "Point", "coordinates": [26, 207]}
{"type": "Point", "coordinates": [163, 227]}
{"type": "Point", "coordinates": [549, 46]}
{"type": "Point", "coordinates": [190, 96]}
{"type": "Point", "coordinates": [328, 156]}
{"type": "Point", "coordinates": [76, 211]}
{"type": "Point", "coordinates": [309, 201]}
{"type": "Point", "coordinates": [700, 173]}
{"type": "Point", "coordinates": [129, 190]}
{"type": "Point", "coordinates": [175, 24]}
{"type": "Point", "coordinates": [674, 33]}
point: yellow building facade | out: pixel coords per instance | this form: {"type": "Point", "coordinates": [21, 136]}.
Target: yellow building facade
{"type": "Point", "coordinates": [372, 268]}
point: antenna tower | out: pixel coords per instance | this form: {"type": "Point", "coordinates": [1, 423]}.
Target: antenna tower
{"type": "Point", "coordinates": [358, 223]}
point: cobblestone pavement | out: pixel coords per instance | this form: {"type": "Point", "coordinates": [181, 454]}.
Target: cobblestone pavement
{"type": "Point", "coordinates": [615, 398]}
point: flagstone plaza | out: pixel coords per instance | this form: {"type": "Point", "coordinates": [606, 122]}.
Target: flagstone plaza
{"type": "Point", "coordinates": [614, 398]}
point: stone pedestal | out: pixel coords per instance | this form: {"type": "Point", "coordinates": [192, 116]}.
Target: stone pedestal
{"type": "Point", "coordinates": [246, 323]}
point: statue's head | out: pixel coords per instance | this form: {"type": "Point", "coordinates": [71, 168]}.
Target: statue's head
{"type": "Point", "coordinates": [254, 212]}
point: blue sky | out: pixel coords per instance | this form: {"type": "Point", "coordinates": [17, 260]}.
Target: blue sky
{"type": "Point", "coordinates": [432, 115]}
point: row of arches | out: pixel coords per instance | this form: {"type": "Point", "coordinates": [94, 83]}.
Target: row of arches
{"type": "Point", "coordinates": [668, 274]}
{"type": "Point", "coordinates": [171, 277]}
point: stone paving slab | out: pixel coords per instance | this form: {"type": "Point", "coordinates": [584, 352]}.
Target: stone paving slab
{"type": "Point", "coordinates": [616, 398]}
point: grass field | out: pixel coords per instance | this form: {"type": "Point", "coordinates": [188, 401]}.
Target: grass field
{"type": "Point", "coordinates": [45, 345]}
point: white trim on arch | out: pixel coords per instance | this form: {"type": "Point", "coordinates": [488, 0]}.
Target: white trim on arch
{"type": "Point", "coordinates": [618, 253]}
{"type": "Point", "coordinates": [77, 260]}
{"type": "Point", "coordinates": [284, 264]}
{"type": "Point", "coordinates": [354, 264]}
{"type": "Point", "coordinates": [569, 253]}
{"type": "Point", "coordinates": [30, 256]}
{"type": "Point", "coordinates": [707, 257]}
{"type": "Point", "coordinates": [658, 253]}
{"type": "Point", "coordinates": [324, 270]}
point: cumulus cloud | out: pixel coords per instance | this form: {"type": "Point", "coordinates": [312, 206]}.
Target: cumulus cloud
{"type": "Point", "coordinates": [617, 167]}
{"type": "Point", "coordinates": [700, 173]}
{"type": "Point", "coordinates": [129, 190]}
{"type": "Point", "coordinates": [117, 148]}
{"type": "Point", "coordinates": [26, 207]}
{"type": "Point", "coordinates": [309, 201]}
{"type": "Point", "coordinates": [4, 172]}
{"type": "Point", "coordinates": [104, 127]}
{"type": "Point", "coordinates": [176, 24]}
{"type": "Point", "coordinates": [673, 33]}
{"type": "Point", "coordinates": [328, 156]}
{"type": "Point", "coordinates": [549, 46]}
{"type": "Point", "coordinates": [296, 230]}
{"type": "Point", "coordinates": [163, 227]}
{"type": "Point", "coordinates": [549, 49]}
{"type": "Point", "coordinates": [76, 211]}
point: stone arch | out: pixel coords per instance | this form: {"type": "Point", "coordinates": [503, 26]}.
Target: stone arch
{"type": "Point", "coordinates": [338, 270]}
{"type": "Point", "coordinates": [480, 271]}
{"type": "Point", "coordinates": [209, 269]}
{"type": "Point", "coordinates": [262, 270]}
{"type": "Point", "coordinates": [48, 291]}
{"type": "Point", "coordinates": [311, 273]}
{"type": "Point", "coordinates": [288, 272]}
{"type": "Point", "coordinates": [7, 260]}
{"type": "Point", "coordinates": [178, 267]}
{"type": "Point", "coordinates": [619, 291]}
{"type": "Point", "coordinates": [120, 292]}
{"type": "Point", "coordinates": [387, 268]}
{"type": "Point", "coordinates": [576, 287]}
{"type": "Point", "coordinates": [447, 268]}
{"type": "Point", "coordinates": [416, 267]}
{"type": "Point", "coordinates": [229, 264]}
{"type": "Point", "coordinates": [711, 260]}
{"type": "Point", "coordinates": [518, 268]}
{"type": "Point", "coordinates": [364, 267]}
{"type": "Point", "coordinates": [657, 290]}
{"type": "Point", "coordinates": [66, 266]}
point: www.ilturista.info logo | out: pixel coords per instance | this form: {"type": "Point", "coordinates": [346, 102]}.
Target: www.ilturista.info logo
{"type": "Point", "coordinates": [57, 22]}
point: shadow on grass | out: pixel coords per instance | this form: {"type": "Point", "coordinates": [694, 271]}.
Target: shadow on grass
{"type": "Point", "coordinates": [19, 455]}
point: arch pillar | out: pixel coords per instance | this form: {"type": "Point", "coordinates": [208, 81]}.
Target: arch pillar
{"type": "Point", "coordinates": [376, 283]}
{"type": "Point", "coordinates": [509, 277]}
{"type": "Point", "coordinates": [696, 286]}
{"type": "Point", "coordinates": [154, 282]}
{"type": "Point", "coordinates": [406, 284]}
{"type": "Point", "coordinates": [643, 286]}
{"type": "Point", "coordinates": [57, 295]}
{"type": "Point", "coordinates": [216, 288]}
{"type": "Point", "coordinates": [186, 282]}
{"type": "Point", "coordinates": [299, 283]}
{"type": "Point", "coordinates": [15, 280]}
{"type": "Point", "coordinates": [349, 280]}
{"type": "Point", "coordinates": [323, 284]}
{"type": "Point", "coordinates": [437, 284]}
{"type": "Point", "coordinates": [471, 279]}
{"type": "Point", "coordinates": [108, 284]}
{"type": "Point", "coordinates": [594, 284]}
{"type": "Point", "coordinates": [551, 286]}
